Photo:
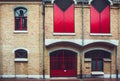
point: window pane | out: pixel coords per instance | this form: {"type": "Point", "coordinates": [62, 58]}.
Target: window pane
{"type": "Point", "coordinates": [93, 65]}
{"type": "Point", "coordinates": [100, 65]}
{"type": "Point", "coordinates": [21, 53]}
{"type": "Point", "coordinates": [97, 64]}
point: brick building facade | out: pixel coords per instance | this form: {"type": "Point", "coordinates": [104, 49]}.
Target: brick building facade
{"type": "Point", "coordinates": [56, 39]}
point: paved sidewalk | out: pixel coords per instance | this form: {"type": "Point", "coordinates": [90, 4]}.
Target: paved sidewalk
{"type": "Point", "coordinates": [90, 79]}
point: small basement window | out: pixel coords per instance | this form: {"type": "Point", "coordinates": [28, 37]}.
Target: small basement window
{"type": "Point", "coordinates": [21, 55]}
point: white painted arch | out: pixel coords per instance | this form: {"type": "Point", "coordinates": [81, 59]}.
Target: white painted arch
{"type": "Point", "coordinates": [91, 49]}
{"type": "Point", "coordinates": [69, 49]}
{"type": "Point", "coordinates": [79, 41]}
{"type": "Point", "coordinates": [20, 48]}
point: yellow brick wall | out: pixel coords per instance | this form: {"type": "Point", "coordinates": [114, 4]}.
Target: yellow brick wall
{"type": "Point", "coordinates": [33, 39]}
{"type": "Point", "coordinates": [78, 24]}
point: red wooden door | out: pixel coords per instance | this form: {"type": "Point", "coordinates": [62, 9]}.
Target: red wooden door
{"type": "Point", "coordinates": [63, 63]}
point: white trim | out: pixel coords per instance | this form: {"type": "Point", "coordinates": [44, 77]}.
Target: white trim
{"type": "Point", "coordinates": [52, 1]}
{"type": "Point", "coordinates": [97, 73]}
{"type": "Point", "coordinates": [75, 2]}
{"type": "Point", "coordinates": [101, 34]}
{"type": "Point", "coordinates": [25, 76]}
{"type": "Point", "coordinates": [64, 34]}
{"type": "Point", "coordinates": [63, 78]}
{"type": "Point", "coordinates": [98, 49]}
{"type": "Point", "coordinates": [107, 60]}
{"type": "Point", "coordinates": [35, 76]}
{"type": "Point", "coordinates": [21, 59]}
{"type": "Point", "coordinates": [87, 59]}
{"type": "Point", "coordinates": [7, 76]}
{"type": "Point", "coordinates": [63, 48]}
{"type": "Point", "coordinates": [114, 42]}
{"type": "Point", "coordinates": [104, 76]}
{"type": "Point", "coordinates": [20, 6]}
{"type": "Point", "coordinates": [79, 41]}
{"type": "Point", "coordinates": [90, 2]}
{"type": "Point", "coordinates": [52, 41]}
{"type": "Point", "coordinates": [111, 3]}
{"type": "Point", "coordinates": [21, 2]}
{"type": "Point", "coordinates": [48, 76]}
{"type": "Point", "coordinates": [38, 76]}
{"type": "Point", "coordinates": [20, 48]}
{"type": "Point", "coordinates": [21, 76]}
{"type": "Point", "coordinates": [111, 75]}
{"type": "Point", "coordinates": [20, 32]}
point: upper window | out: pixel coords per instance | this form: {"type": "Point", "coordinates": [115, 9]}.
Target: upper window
{"type": "Point", "coordinates": [20, 18]}
{"type": "Point", "coordinates": [64, 16]}
{"type": "Point", "coordinates": [100, 16]}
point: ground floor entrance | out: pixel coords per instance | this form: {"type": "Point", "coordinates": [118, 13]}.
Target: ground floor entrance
{"type": "Point", "coordinates": [63, 63]}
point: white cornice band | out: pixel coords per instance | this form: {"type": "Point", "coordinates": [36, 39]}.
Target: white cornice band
{"type": "Point", "coordinates": [79, 41]}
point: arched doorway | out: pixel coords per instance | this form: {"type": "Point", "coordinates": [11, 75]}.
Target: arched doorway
{"type": "Point", "coordinates": [63, 63]}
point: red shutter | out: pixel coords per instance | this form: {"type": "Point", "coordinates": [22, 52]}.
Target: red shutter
{"type": "Point", "coordinates": [69, 19]}
{"type": "Point", "coordinates": [105, 20]}
{"type": "Point", "coordinates": [58, 19]}
{"type": "Point", "coordinates": [100, 16]}
{"type": "Point", "coordinates": [64, 20]}
{"type": "Point", "coordinates": [95, 20]}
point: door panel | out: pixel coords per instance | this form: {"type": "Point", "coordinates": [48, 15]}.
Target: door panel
{"type": "Point", "coordinates": [63, 63]}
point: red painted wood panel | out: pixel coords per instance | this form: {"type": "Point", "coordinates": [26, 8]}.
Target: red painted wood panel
{"type": "Point", "coordinates": [105, 20]}
{"type": "Point", "coordinates": [64, 21]}
{"type": "Point", "coordinates": [58, 19]}
{"type": "Point", "coordinates": [100, 22]}
{"type": "Point", "coordinates": [63, 63]}
{"type": "Point", "coordinates": [94, 20]}
{"type": "Point", "coordinates": [63, 73]}
{"type": "Point", "coordinates": [69, 19]}
{"type": "Point", "coordinates": [21, 23]}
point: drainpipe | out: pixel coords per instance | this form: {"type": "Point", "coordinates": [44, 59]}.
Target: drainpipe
{"type": "Point", "coordinates": [81, 74]}
{"type": "Point", "coordinates": [117, 48]}
{"type": "Point", "coordinates": [117, 62]}
{"type": "Point", "coordinates": [43, 41]}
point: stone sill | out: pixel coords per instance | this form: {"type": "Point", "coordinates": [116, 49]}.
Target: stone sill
{"type": "Point", "coordinates": [21, 60]}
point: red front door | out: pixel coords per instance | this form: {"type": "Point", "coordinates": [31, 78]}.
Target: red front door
{"type": "Point", "coordinates": [63, 63]}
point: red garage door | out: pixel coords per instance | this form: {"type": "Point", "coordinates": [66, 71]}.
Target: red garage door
{"type": "Point", "coordinates": [63, 63]}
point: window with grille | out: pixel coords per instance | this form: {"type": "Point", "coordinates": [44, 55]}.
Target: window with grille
{"type": "Point", "coordinates": [20, 18]}
{"type": "Point", "coordinates": [21, 53]}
